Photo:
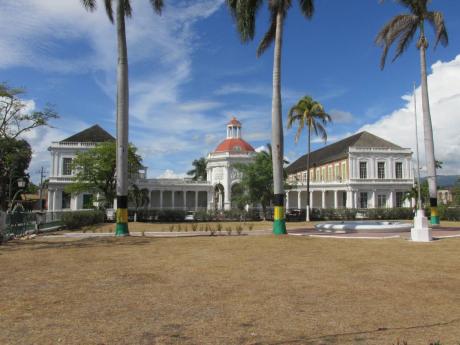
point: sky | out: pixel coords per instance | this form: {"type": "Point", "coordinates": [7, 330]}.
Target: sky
{"type": "Point", "coordinates": [190, 73]}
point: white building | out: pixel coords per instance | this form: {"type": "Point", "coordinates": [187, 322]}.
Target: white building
{"type": "Point", "coordinates": [186, 194]}
{"type": "Point", "coordinates": [361, 171]}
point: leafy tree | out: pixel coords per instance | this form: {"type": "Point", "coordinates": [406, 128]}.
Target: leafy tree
{"type": "Point", "coordinates": [123, 9]}
{"type": "Point", "coordinates": [402, 29]}
{"type": "Point", "coordinates": [413, 193]}
{"type": "Point", "coordinates": [15, 156]}
{"type": "Point", "coordinates": [199, 169]}
{"type": "Point", "coordinates": [139, 196]}
{"type": "Point", "coordinates": [94, 170]}
{"type": "Point", "coordinates": [244, 12]}
{"type": "Point", "coordinates": [310, 114]}
{"type": "Point", "coordinates": [256, 181]}
{"type": "Point", "coordinates": [456, 193]}
{"type": "Point", "coordinates": [16, 118]}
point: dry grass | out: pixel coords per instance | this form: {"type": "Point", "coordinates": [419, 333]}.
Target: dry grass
{"type": "Point", "coordinates": [229, 290]}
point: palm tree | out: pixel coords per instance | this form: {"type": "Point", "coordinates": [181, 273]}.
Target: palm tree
{"type": "Point", "coordinates": [403, 28]}
{"type": "Point", "coordinates": [199, 170]}
{"type": "Point", "coordinates": [244, 12]}
{"type": "Point", "coordinates": [309, 113]}
{"type": "Point", "coordinates": [123, 9]}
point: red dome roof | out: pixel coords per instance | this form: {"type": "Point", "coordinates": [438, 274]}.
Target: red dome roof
{"type": "Point", "coordinates": [234, 145]}
{"type": "Point", "coordinates": [234, 122]}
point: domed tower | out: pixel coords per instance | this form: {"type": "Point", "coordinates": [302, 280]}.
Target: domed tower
{"type": "Point", "coordinates": [220, 171]}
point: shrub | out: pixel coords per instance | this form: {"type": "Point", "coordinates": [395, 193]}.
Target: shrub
{"type": "Point", "coordinates": [79, 219]}
{"type": "Point", "coordinates": [229, 230]}
{"type": "Point", "coordinates": [250, 227]}
{"type": "Point", "coordinates": [239, 229]}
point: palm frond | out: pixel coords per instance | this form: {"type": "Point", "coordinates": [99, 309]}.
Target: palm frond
{"type": "Point", "coordinates": [436, 19]}
{"type": "Point", "coordinates": [244, 13]}
{"type": "Point", "coordinates": [90, 5]}
{"type": "Point", "coordinates": [404, 40]}
{"type": "Point", "coordinates": [157, 5]}
{"type": "Point", "coordinates": [395, 28]}
{"type": "Point", "coordinates": [269, 37]}
{"type": "Point", "coordinates": [307, 8]}
{"type": "Point", "coordinates": [127, 8]}
{"type": "Point", "coordinates": [109, 9]}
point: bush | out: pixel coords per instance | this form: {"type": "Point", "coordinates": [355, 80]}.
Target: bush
{"type": "Point", "coordinates": [369, 213]}
{"type": "Point", "coordinates": [78, 219]}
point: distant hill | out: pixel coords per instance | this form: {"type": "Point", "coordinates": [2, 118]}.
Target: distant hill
{"type": "Point", "coordinates": [445, 180]}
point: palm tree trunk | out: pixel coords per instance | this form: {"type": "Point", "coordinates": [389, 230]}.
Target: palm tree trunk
{"type": "Point", "coordinates": [279, 224]}
{"type": "Point", "coordinates": [428, 136]}
{"type": "Point", "coordinates": [308, 175]}
{"type": "Point", "coordinates": [122, 125]}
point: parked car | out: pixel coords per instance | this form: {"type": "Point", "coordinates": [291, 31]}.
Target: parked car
{"type": "Point", "coordinates": [190, 216]}
{"type": "Point", "coordinates": [294, 214]}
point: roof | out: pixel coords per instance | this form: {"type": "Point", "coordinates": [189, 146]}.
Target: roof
{"type": "Point", "coordinates": [234, 145]}
{"type": "Point", "coordinates": [234, 122]}
{"type": "Point", "coordinates": [339, 150]}
{"type": "Point", "coordinates": [94, 134]}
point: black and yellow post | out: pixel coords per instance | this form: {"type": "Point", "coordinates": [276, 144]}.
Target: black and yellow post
{"type": "Point", "coordinates": [434, 219]}
{"type": "Point", "coordinates": [279, 222]}
{"type": "Point", "coordinates": [121, 227]}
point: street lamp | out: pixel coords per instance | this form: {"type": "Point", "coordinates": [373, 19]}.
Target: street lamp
{"type": "Point", "coordinates": [21, 185]}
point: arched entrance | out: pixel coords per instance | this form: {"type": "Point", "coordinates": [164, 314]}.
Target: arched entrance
{"type": "Point", "coordinates": [219, 197]}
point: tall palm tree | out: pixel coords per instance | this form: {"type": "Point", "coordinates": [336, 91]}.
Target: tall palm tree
{"type": "Point", "coordinates": [244, 12]}
{"type": "Point", "coordinates": [199, 169]}
{"type": "Point", "coordinates": [402, 29]}
{"type": "Point", "coordinates": [123, 9]}
{"type": "Point", "coordinates": [310, 114]}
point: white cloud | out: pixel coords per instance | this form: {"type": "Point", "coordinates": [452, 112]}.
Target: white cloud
{"type": "Point", "coordinates": [168, 173]}
{"type": "Point", "coordinates": [340, 116]}
{"type": "Point", "coordinates": [398, 127]}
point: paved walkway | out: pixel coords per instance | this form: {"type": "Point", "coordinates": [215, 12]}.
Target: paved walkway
{"type": "Point", "coordinates": [437, 234]}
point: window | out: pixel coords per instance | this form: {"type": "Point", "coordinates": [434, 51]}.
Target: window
{"type": "Point", "coordinates": [399, 199]}
{"type": "Point", "coordinates": [381, 170]}
{"type": "Point", "coordinates": [398, 170]}
{"type": "Point", "coordinates": [329, 173]}
{"type": "Point", "coordinates": [67, 166]}
{"type": "Point", "coordinates": [323, 174]}
{"type": "Point", "coordinates": [65, 200]}
{"type": "Point", "coordinates": [381, 201]}
{"type": "Point", "coordinates": [318, 175]}
{"type": "Point", "coordinates": [344, 171]}
{"type": "Point", "coordinates": [362, 169]}
{"type": "Point", "coordinates": [344, 199]}
{"type": "Point", "coordinates": [363, 200]}
{"type": "Point", "coordinates": [87, 201]}
{"type": "Point", "coordinates": [305, 177]}
{"type": "Point", "coordinates": [337, 172]}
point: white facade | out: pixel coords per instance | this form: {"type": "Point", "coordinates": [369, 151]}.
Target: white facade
{"type": "Point", "coordinates": [367, 178]}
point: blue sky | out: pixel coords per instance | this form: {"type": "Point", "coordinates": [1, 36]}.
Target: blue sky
{"type": "Point", "coordinates": [189, 73]}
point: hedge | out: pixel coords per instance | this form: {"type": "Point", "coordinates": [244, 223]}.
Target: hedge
{"type": "Point", "coordinates": [78, 219]}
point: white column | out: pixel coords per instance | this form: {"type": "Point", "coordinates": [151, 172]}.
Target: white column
{"type": "Point", "coordinates": [161, 199]}
{"type": "Point", "coordinates": [311, 199]}
{"type": "Point", "coordinates": [349, 199]}
{"type": "Point", "coordinates": [336, 201]}
{"type": "Point", "coordinates": [196, 200]}
{"type": "Point", "coordinates": [185, 199]}
{"type": "Point", "coordinates": [355, 200]}
{"type": "Point", "coordinates": [299, 200]}
{"type": "Point", "coordinates": [374, 203]}
{"type": "Point", "coordinates": [323, 199]}
{"type": "Point", "coordinates": [391, 201]}
{"type": "Point", "coordinates": [172, 198]}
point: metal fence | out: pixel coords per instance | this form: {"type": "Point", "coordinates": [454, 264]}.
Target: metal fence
{"type": "Point", "coordinates": [20, 223]}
